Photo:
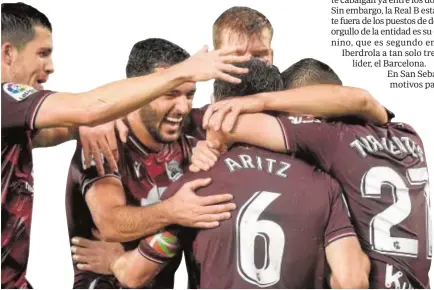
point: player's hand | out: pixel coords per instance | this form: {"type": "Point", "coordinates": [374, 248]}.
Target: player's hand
{"type": "Point", "coordinates": [205, 155]}
{"type": "Point", "coordinates": [187, 209]}
{"type": "Point", "coordinates": [223, 115]}
{"type": "Point", "coordinates": [100, 143]}
{"type": "Point", "coordinates": [217, 64]}
{"type": "Point", "coordinates": [95, 256]}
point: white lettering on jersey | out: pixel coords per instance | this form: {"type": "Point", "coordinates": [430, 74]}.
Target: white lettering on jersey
{"type": "Point", "coordinates": [393, 146]}
{"type": "Point", "coordinates": [393, 279]}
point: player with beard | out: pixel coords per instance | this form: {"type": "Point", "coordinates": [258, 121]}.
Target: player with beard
{"type": "Point", "coordinates": [29, 114]}
{"type": "Point", "coordinates": [302, 225]}
{"type": "Point", "coordinates": [382, 170]}
{"type": "Point", "coordinates": [125, 207]}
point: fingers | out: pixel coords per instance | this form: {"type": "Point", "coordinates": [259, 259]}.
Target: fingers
{"type": "Point", "coordinates": [86, 154]}
{"type": "Point", "coordinates": [80, 251]}
{"type": "Point", "coordinates": [85, 267]}
{"type": "Point", "coordinates": [215, 217]}
{"type": "Point", "coordinates": [219, 209]}
{"type": "Point", "coordinates": [216, 120]}
{"type": "Point", "coordinates": [230, 120]}
{"type": "Point", "coordinates": [215, 199]}
{"type": "Point", "coordinates": [198, 183]}
{"type": "Point", "coordinates": [107, 153]}
{"type": "Point", "coordinates": [199, 163]}
{"type": "Point", "coordinates": [230, 68]}
{"type": "Point", "coordinates": [227, 78]}
{"type": "Point", "coordinates": [82, 242]}
{"type": "Point", "coordinates": [81, 259]}
{"type": "Point", "coordinates": [206, 225]}
{"type": "Point", "coordinates": [122, 130]}
{"type": "Point", "coordinates": [235, 59]}
{"type": "Point", "coordinates": [193, 168]}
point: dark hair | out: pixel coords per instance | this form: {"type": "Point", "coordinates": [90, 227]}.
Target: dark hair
{"type": "Point", "coordinates": [262, 77]}
{"type": "Point", "coordinates": [309, 71]}
{"type": "Point", "coordinates": [146, 55]}
{"type": "Point", "coordinates": [18, 22]}
{"type": "Point", "coordinates": [241, 20]}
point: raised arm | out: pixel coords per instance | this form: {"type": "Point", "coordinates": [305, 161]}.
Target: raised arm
{"type": "Point", "coordinates": [117, 99]}
{"type": "Point", "coordinates": [318, 100]}
{"type": "Point", "coordinates": [327, 101]}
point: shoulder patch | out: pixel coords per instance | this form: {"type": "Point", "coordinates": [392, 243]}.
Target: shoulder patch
{"type": "Point", "coordinates": [18, 92]}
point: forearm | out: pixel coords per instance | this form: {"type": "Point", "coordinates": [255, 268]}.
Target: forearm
{"type": "Point", "coordinates": [131, 270]}
{"type": "Point", "coordinates": [107, 102]}
{"type": "Point", "coordinates": [54, 136]}
{"type": "Point", "coordinates": [261, 130]}
{"type": "Point", "coordinates": [326, 101]}
{"type": "Point", "coordinates": [127, 223]}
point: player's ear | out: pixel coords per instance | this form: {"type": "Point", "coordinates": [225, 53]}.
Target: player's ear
{"type": "Point", "coordinates": [8, 53]}
{"type": "Point", "coordinates": [212, 99]}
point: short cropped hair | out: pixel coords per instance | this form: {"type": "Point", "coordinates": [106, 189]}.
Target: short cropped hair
{"type": "Point", "coordinates": [262, 77]}
{"type": "Point", "coordinates": [309, 71]}
{"type": "Point", "coordinates": [19, 21]}
{"type": "Point", "coordinates": [152, 53]}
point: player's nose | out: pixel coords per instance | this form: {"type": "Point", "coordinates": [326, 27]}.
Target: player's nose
{"type": "Point", "coordinates": [49, 66]}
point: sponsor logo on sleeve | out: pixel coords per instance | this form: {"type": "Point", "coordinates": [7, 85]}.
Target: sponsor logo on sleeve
{"type": "Point", "coordinates": [18, 92]}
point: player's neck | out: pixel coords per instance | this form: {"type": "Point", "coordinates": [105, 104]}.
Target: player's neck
{"type": "Point", "coordinates": [142, 134]}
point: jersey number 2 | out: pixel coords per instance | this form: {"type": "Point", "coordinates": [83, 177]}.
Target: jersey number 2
{"type": "Point", "coordinates": [381, 224]}
{"type": "Point", "coordinates": [248, 229]}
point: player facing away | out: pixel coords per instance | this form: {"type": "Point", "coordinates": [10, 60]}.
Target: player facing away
{"type": "Point", "coordinates": [382, 170]}
{"type": "Point", "coordinates": [289, 222]}
{"type": "Point", "coordinates": [125, 207]}
{"type": "Point", "coordinates": [29, 112]}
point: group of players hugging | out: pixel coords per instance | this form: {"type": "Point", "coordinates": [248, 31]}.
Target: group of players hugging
{"type": "Point", "coordinates": [286, 180]}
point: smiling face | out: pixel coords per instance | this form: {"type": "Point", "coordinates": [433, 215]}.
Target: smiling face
{"type": "Point", "coordinates": [165, 116]}
{"type": "Point", "coordinates": [31, 64]}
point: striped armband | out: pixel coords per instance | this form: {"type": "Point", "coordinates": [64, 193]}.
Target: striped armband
{"type": "Point", "coordinates": [160, 247]}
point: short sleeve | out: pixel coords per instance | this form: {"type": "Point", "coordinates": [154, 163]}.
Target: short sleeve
{"type": "Point", "coordinates": [20, 105]}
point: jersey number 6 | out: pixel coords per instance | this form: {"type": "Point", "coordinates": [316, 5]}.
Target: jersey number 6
{"type": "Point", "coordinates": [248, 229]}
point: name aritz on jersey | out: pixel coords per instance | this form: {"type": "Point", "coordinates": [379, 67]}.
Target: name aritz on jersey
{"type": "Point", "coordinates": [265, 164]}
{"type": "Point", "coordinates": [394, 146]}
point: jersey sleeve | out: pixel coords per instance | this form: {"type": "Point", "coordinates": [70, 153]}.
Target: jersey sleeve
{"type": "Point", "coordinates": [315, 137]}
{"type": "Point", "coordinates": [162, 246]}
{"type": "Point", "coordinates": [20, 105]}
{"type": "Point", "coordinates": [339, 225]}
{"type": "Point", "coordinates": [193, 126]}
{"type": "Point", "coordinates": [85, 177]}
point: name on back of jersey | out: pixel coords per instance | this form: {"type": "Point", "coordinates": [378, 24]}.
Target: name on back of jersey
{"type": "Point", "coordinates": [395, 146]}
{"type": "Point", "coordinates": [269, 165]}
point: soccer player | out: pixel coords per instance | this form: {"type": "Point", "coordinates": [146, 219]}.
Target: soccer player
{"type": "Point", "coordinates": [382, 170]}
{"type": "Point", "coordinates": [124, 207]}
{"type": "Point", "coordinates": [290, 218]}
{"type": "Point", "coordinates": [29, 113]}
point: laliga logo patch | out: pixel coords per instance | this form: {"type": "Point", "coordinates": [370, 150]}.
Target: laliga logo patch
{"type": "Point", "coordinates": [18, 92]}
